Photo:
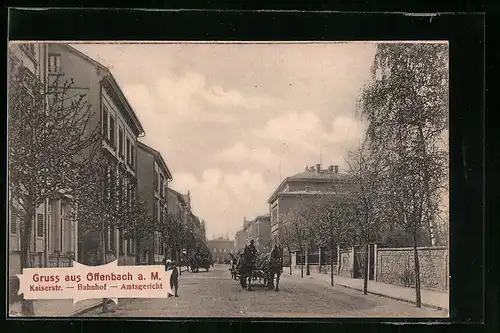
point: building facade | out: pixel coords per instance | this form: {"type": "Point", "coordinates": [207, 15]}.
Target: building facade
{"type": "Point", "coordinates": [153, 176]}
{"type": "Point", "coordinates": [32, 57]}
{"type": "Point", "coordinates": [120, 129]}
{"type": "Point", "coordinates": [263, 242]}
{"type": "Point", "coordinates": [240, 240]}
{"type": "Point", "coordinates": [301, 190]}
{"type": "Point", "coordinates": [220, 249]}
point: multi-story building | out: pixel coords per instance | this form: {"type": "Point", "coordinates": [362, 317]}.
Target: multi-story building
{"type": "Point", "coordinates": [153, 176]}
{"type": "Point", "coordinates": [120, 129]}
{"type": "Point", "coordinates": [220, 249]}
{"type": "Point", "coordinates": [34, 58]}
{"type": "Point", "coordinates": [240, 240]}
{"type": "Point", "coordinates": [250, 228]}
{"type": "Point", "coordinates": [263, 241]}
{"type": "Point", "coordinates": [176, 205]}
{"type": "Point", "coordinates": [303, 189]}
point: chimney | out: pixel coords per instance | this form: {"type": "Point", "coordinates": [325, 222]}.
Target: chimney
{"type": "Point", "coordinates": [318, 168]}
{"type": "Point", "coordinates": [336, 168]}
{"type": "Point", "coordinates": [330, 169]}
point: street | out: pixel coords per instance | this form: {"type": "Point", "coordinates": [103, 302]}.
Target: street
{"type": "Point", "coordinates": [215, 294]}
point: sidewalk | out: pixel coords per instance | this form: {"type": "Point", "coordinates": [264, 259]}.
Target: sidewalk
{"type": "Point", "coordinates": [432, 299]}
{"type": "Point", "coordinates": [56, 308]}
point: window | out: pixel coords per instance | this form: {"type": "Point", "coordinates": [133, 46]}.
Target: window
{"type": "Point", "coordinates": [131, 246]}
{"type": "Point", "coordinates": [120, 141]}
{"type": "Point", "coordinates": [156, 181]}
{"type": "Point", "coordinates": [155, 212]}
{"type": "Point", "coordinates": [39, 225]}
{"type": "Point", "coordinates": [128, 151]}
{"type": "Point", "coordinates": [13, 223]}
{"type": "Point", "coordinates": [112, 239]}
{"type": "Point", "coordinates": [105, 121]}
{"type": "Point", "coordinates": [121, 242]}
{"type": "Point", "coordinates": [54, 63]}
{"type": "Point", "coordinates": [162, 180]}
{"type": "Point", "coordinates": [29, 48]}
{"type": "Point", "coordinates": [120, 191]}
{"type": "Point", "coordinates": [132, 160]}
{"type": "Point", "coordinates": [112, 134]}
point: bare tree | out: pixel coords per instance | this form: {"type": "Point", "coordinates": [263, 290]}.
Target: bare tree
{"type": "Point", "coordinates": [332, 218]}
{"type": "Point", "coordinates": [48, 145]}
{"type": "Point", "coordinates": [366, 167]}
{"type": "Point", "coordinates": [296, 226]}
{"type": "Point", "coordinates": [287, 240]}
{"type": "Point", "coordinates": [406, 106]}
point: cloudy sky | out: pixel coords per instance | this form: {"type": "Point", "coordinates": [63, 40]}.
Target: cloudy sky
{"type": "Point", "coordinates": [232, 120]}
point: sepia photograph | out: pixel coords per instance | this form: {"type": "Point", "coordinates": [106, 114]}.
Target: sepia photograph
{"type": "Point", "coordinates": [266, 179]}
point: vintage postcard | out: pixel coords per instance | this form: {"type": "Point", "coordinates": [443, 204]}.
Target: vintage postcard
{"type": "Point", "coordinates": [228, 179]}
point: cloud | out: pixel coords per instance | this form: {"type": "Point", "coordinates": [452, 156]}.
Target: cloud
{"type": "Point", "coordinates": [240, 152]}
{"type": "Point", "coordinates": [222, 199]}
{"type": "Point", "coordinates": [305, 130]}
{"type": "Point", "coordinates": [230, 98]}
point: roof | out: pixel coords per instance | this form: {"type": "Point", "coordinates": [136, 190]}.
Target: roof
{"type": "Point", "coordinates": [177, 194]}
{"type": "Point", "coordinates": [157, 155]}
{"type": "Point", "coordinates": [109, 76]}
{"type": "Point", "coordinates": [262, 217]}
{"type": "Point", "coordinates": [311, 176]}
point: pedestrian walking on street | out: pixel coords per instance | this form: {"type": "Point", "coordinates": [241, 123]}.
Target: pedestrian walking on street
{"type": "Point", "coordinates": [174, 278]}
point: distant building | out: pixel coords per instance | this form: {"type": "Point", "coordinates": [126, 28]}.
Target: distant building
{"type": "Point", "coordinates": [303, 189]}
{"type": "Point", "coordinates": [263, 241]}
{"type": "Point", "coordinates": [250, 229]}
{"type": "Point", "coordinates": [220, 249]}
{"type": "Point", "coordinates": [240, 239]}
{"type": "Point", "coordinates": [153, 176]}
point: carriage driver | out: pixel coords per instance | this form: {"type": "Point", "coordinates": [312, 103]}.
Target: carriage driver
{"type": "Point", "coordinates": [252, 249]}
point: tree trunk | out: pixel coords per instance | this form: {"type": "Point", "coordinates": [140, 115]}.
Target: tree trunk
{"type": "Point", "coordinates": [137, 252]}
{"type": "Point", "coordinates": [418, 298]}
{"type": "Point", "coordinates": [290, 260]}
{"type": "Point", "coordinates": [103, 261]}
{"type": "Point", "coordinates": [308, 271]}
{"type": "Point", "coordinates": [331, 264]}
{"type": "Point", "coordinates": [27, 305]}
{"type": "Point", "coordinates": [179, 261]}
{"type": "Point", "coordinates": [302, 264]}
{"type": "Point", "coordinates": [365, 269]}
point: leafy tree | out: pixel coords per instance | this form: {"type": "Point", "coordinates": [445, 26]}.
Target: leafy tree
{"type": "Point", "coordinates": [49, 137]}
{"type": "Point", "coordinates": [406, 106]}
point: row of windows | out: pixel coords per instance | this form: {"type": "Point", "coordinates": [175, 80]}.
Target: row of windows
{"type": "Point", "coordinates": [122, 242]}
{"type": "Point", "coordinates": [159, 211]}
{"type": "Point", "coordinates": [220, 250]}
{"type": "Point", "coordinates": [160, 184]}
{"type": "Point", "coordinates": [126, 148]}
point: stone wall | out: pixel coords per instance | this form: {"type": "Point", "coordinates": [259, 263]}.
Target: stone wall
{"type": "Point", "coordinates": [396, 266]}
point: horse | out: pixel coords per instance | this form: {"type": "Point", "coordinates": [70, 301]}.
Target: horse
{"type": "Point", "coordinates": [245, 269]}
{"type": "Point", "coordinates": [275, 267]}
{"type": "Point", "coordinates": [234, 263]}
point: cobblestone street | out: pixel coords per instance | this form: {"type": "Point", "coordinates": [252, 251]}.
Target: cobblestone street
{"type": "Point", "coordinates": [215, 294]}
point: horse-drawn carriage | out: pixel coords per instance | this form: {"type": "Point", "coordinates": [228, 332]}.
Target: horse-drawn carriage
{"type": "Point", "coordinates": [201, 258]}
{"type": "Point", "coordinates": [249, 267]}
